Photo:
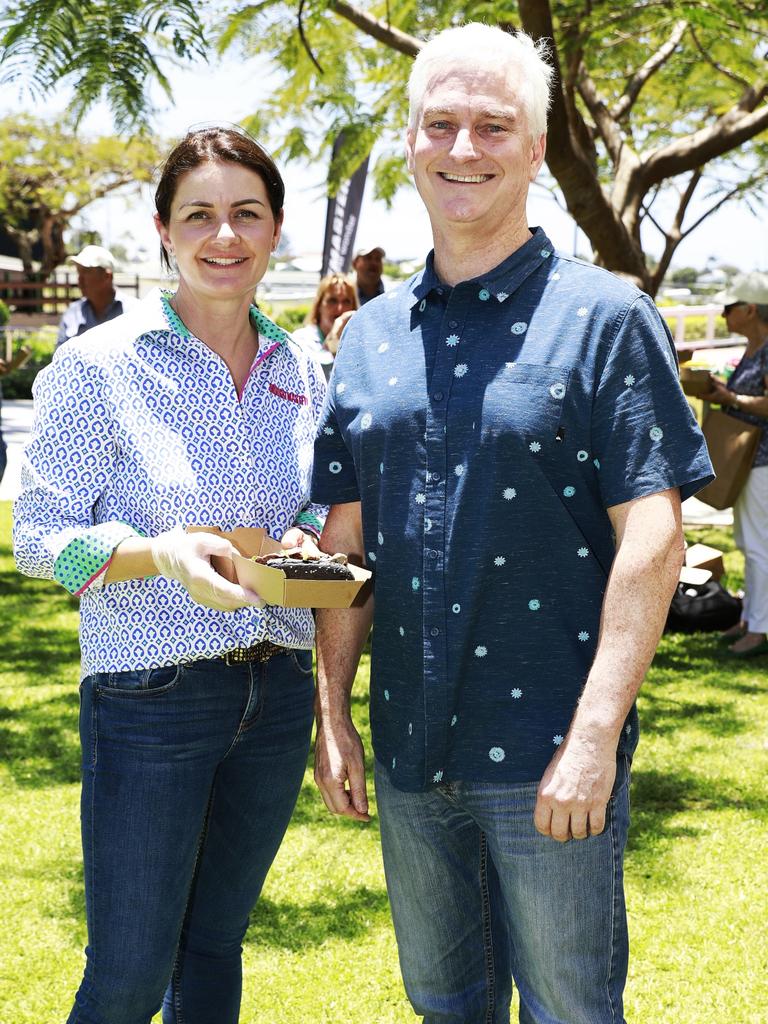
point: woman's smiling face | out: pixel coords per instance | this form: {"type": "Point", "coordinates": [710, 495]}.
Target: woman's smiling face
{"type": "Point", "coordinates": [221, 230]}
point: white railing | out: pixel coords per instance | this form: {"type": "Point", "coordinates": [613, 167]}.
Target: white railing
{"type": "Point", "coordinates": [680, 313]}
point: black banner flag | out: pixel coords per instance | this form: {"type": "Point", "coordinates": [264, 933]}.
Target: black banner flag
{"type": "Point", "coordinates": [342, 218]}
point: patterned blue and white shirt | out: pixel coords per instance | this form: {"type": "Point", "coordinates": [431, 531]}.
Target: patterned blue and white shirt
{"type": "Point", "coordinates": [486, 428]}
{"type": "Point", "coordinates": [139, 429]}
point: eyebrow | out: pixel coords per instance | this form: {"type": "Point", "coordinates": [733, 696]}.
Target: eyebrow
{"type": "Point", "coordinates": [209, 206]}
{"type": "Point", "coordinates": [489, 114]}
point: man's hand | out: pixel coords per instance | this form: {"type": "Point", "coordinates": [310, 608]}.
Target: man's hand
{"type": "Point", "coordinates": [340, 769]}
{"type": "Point", "coordinates": [186, 557]}
{"type": "Point", "coordinates": [574, 791]}
{"type": "Point", "coordinates": [296, 538]}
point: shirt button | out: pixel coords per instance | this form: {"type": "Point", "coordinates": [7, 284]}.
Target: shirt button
{"type": "Point", "coordinates": [434, 631]}
{"type": "Point", "coordinates": [436, 478]}
{"type": "Point", "coordinates": [438, 396]}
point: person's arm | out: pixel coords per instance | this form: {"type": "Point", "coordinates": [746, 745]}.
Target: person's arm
{"type": "Point", "coordinates": [757, 405]}
{"type": "Point", "coordinates": [341, 636]}
{"type": "Point", "coordinates": [576, 786]}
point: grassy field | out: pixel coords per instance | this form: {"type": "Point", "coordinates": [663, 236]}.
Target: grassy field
{"type": "Point", "coordinates": [320, 948]}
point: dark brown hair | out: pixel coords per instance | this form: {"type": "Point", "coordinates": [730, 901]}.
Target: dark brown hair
{"type": "Point", "coordinates": [216, 144]}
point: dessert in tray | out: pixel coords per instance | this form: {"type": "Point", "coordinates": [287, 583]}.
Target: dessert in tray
{"type": "Point", "coordinates": [298, 564]}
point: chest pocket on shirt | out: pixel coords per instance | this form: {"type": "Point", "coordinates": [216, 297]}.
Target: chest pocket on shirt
{"type": "Point", "coordinates": [525, 402]}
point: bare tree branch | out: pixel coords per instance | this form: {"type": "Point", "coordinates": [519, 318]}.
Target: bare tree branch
{"type": "Point", "coordinates": [304, 40]}
{"type": "Point", "coordinates": [377, 29]}
{"type": "Point", "coordinates": [716, 64]}
{"type": "Point", "coordinates": [632, 90]}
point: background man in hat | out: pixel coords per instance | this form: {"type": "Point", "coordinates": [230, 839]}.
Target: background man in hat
{"type": "Point", "coordinates": [100, 301]}
{"type": "Point", "coordinates": [368, 264]}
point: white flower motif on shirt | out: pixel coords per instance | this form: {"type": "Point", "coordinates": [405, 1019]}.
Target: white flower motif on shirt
{"type": "Point", "coordinates": [420, 499]}
{"type": "Point", "coordinates": [534, 446]}
{"type": "Point", "coordinates": [410, 728]}
{"type": "Point", "coordinates": [483, 295]}
{"type": "Point", "coordinates": [568, 492]}
{"type": "Point", "coordinates": [496, 754]}
{"type": "Point", "coordinates": [381, 467]}
{"type": "Point", "coordinates": [510, 366]}
{"type": "Point", "coordinates": [427, 524]}
{"type": "Point", "coordinates": [422, 305]}
{"type": "Point", "coordinates": [437, 777]}
{"type": "Point", "coordinates": [456, 608]}
{"type": "Point", "coordinates": [460, 370]}
{"type": "Point", "coordinates": [383, 347]}
{"type": "Point", "coordinates": [555, 276]}
{"type": "Point", "coordinates": [628, 729]}
{"type": "Point", "coordinates": [401, 631]}
{"type": "Point", "coordinates": [459, 470]}
{"type": "Point", "coordinates": [366, 420]}
{"type": "Point", "coordinates": [629, 380]}
{"type": "Point", "coordinates": [452, 340]}
{"type": "Point", "coordinates": [596, 463]}
{"type": "Point", "coordinates": [656, 433]}
{"type": "Point", "coordinates": [582, 552]}
{"type": "Point", "coordinates": [454, 720]}
{"type": "Point", "coordinates": [328, 431]}
{"type": "Point", "coordinates": [394, 762]}
{"type": "Point", "coordinates": [501, 296]}
{"type": "Point", "coordinates": [545, 253]}
{"type": "Point", "coordinates": [415, 583]}
{"type": "Point", "coordinates": [392, 381]}
{"type": "Point", "coordinates": [557, 739]}
{"type": "Point", "coordinates": [509, 493]}
{"type": "Point", "coordinates": [371, 556]}
{"type": "Point", "coordinates": [582, 456]}
{"type": "Point", "coordinates": [334, 467]}
{"type": "Point", "coordinates": [480, 652]}
{"type": "Point", "coordinates": [341, 387]}
{"type": "Point", "coordinates": [517, 693]}
{"type": "Point", "coordinates": [519, 327]}
{"type": "Point", "coordinates": [582, 311]}
{"type": "Point", "coordinates": [386, 695]}
{"type": "Point", "coordinates": [500, 560]}
{"type": "Point", "coordinates": [534, 604]}
{"type": "Point", "coordinates": [583, 636]}
{"type": "Point", "coordinates": [380, 537]}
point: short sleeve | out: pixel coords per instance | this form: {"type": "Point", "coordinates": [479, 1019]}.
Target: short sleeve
{"type": "Point", "coordinates": [644, 431]}
{"type": "Point", "coordinates": [334, 480]}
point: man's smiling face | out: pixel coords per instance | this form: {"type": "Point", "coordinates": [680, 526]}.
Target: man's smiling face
{"type": "Point", "coordinates": [471, 154]}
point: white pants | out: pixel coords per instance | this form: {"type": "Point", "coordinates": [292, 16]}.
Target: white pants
{"type": "Point", "coordinates": [750, 531]}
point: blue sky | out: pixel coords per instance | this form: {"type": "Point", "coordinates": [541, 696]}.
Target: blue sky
{"type": "Point", "coordinates": [230, 89]}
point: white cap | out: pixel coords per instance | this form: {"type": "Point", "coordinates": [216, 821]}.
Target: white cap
{"type": "Point", "coordinates": [746, 288]}
{"type": "Point", "coordinates": [94, 256]}
{"type": "Point", "coordinates": [366, 250]}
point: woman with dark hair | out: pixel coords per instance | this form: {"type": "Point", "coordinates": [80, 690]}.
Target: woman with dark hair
{"type": "Point", "coordinates": [333, 305]}
{"type": "Point", "coordinates": [196, 698]}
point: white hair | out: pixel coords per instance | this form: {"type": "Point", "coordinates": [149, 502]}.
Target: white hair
{"type": "Point", "coordinates": [483, 45]}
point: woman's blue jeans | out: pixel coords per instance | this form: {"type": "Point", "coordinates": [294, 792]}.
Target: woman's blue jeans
{"type": "Point", "coordinates": [478, 897]}
{"type": "Point", "coordinates": [190, 776]}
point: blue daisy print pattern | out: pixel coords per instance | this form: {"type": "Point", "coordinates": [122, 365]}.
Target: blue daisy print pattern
{"type": "Point", "coordinates": [383, 347]}
{"type": "Point", "coordinates": [483, 295]}
{"type": "Point", "coordinates": [401, 631]}
{"type": "Point", "coordinates": [371, 556]}
{"type": "Point", "coordinates": [555, 276]}
{"type": "Point", "coordinates": [438, 776]}
{"type": "Point", "coordinates": [365, 421]}
{"type": "Point", "coordinates": [380, 537]}
{"type": "Point", "coordinates": [422, 305]}
{"type": "Point", "coordinates": [410, 728]}
{"type": "Point", "coordinates": [459, 470]}
{"type": "Point", "coordinates": [568, 492]}
{"type": "Point", "coordinates": [454, 720]}
{"type": "Point", "coordinates": [496, 754]}
{"type": "Point", "coordinates": [392, 381]}
{"type": "Point", "coordinates": [583, 636]}
{"type": "Point", "coordinates": [557, 390]}
{"type": "Point", "coordinates": [481, 651]}
{"type": "Point", "coordinates": [656, 433]}
{"type": "Point", "coordinates": [582, 311]}
{"type": "Point", "coordinates": [456, 608]}
{"type": "Point", "coordinates": [334, 467]}
{"type": "Point", "coordinates": [509, 493]}
{"type": "Point", "coordinates": [582, 552]}
{"type": "Point", "coordinates": [519, 327]}
{"type": "Point", "coordinates": [500, 560]}
{"type": "Point", "coordinates": [394, 763]}
{"type": "Point", "coordinates": [452, 340]}
{"type": "Point", "coordinates": [415, 583]}
{"type": "Point", "coordinates": [501, 296]}
{"type": "Point", "coordinates": [534, 604]}
{"type": "Point", "coordinates": [596, 463]}
{"type": "Point", "coordinates": [534, 446]}
{"type": "Point", "coordinates": [420, 498]}
{"type": "Point", "coordinates": [460, 370]}
{"type": "Point", "coordinates": [386, 695]}
{"type": "Point", "coordinates": [341, 387]}
{"type": "Point", "coordinates": [545, 253]}
{"type": "Point", "coordinates": [557, 739]}
{"type": "Point", "coordinates": [328, 430]}
{"type": "Point", "coordinates": [629, 380]}
{"type": "Point", "coordinates": [381, 467]}
{"type": "Point", "coordinates": [517, 693]}
{"type": "Point", "coordinates": [582, 456]}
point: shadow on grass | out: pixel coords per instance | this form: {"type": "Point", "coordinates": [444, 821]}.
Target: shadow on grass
{"type": "Point", "coordinates": [298, 926]}
{"type": "Point", "coordinates": [39, 743]}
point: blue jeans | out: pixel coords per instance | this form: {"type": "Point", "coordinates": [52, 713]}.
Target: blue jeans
{"type": "Point", "coordinates": [190, 775]}
{"type": "Point", "coordinates": [479, 897]}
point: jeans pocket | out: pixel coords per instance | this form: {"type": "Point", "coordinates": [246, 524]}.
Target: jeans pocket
{"type": "Point", "coordinates": [302, 662]}
{"type": "Point", "coordinates": [139, 683]}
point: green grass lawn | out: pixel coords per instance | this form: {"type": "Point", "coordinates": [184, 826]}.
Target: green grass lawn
{"type": "Point", "coordinates": [320, 948]}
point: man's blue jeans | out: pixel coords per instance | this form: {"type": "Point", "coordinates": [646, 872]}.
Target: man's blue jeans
{"type": "Point", "coordinates": [479, 897]}
{"type": "Point", "coordinates": [190, 775]}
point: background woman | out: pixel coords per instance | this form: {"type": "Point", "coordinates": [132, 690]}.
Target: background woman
{"type": "Point", "coordinates": [196, 700]}
{"type": "Point", "coordinates": [746, 312]}
{"type": "Point", "coordinates": [334, 304]}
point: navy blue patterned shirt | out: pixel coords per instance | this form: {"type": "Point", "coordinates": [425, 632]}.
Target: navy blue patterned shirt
{"type": "Point", "coordinates": [486, 428]}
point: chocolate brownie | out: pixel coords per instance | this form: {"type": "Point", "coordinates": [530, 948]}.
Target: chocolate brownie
{"type": "Point", "coordinates": [298, 567]}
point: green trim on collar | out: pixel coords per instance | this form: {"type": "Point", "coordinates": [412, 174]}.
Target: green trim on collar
{"type": "Point", "coordinates": [263, 324]}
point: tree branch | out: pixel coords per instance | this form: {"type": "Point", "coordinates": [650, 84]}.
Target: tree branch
{"type": "Point", "coordinates": [377, 29]}
{"type": "Point", "coordinates": [632, 90]}
{"type": "Point", "coordinates": [716, 64]}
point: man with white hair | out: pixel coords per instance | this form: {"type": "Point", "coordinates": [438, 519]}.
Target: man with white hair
{"type": "Point", "coordinates": [506, 445]}
{"type": "Point", "coordinates": [100, 302]}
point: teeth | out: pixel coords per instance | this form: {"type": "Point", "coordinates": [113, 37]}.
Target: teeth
{"type": "Point", "coordinates": [220, 261]}
{"type": "Point", "coordinates": [476, 178]}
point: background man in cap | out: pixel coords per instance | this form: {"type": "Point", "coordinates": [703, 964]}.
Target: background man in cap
{"type": "Point", "coordinates": [368, 264]}
{"type": "Point", "coordinates": [100, 301]}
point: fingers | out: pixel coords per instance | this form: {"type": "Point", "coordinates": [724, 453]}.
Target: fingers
{"type": "Point", "coordinates": [340, 777]}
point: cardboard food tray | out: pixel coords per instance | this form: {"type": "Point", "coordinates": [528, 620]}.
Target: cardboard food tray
{"type": "Point", "coordinates": [272, 584]}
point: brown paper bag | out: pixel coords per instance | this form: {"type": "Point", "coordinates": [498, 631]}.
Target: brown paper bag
{"type": "Point", "coordinates": [732, 445]}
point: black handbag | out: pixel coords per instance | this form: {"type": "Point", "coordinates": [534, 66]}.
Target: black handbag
{"type": "Point", "coordinates": [702, 607]}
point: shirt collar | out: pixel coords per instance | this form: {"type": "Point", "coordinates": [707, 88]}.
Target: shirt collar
{"type": "Point", "coordinates": [500, 282]}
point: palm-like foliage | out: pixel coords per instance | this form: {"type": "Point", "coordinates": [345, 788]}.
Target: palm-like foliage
{"type": "Point", "coordinates": [101, 48]}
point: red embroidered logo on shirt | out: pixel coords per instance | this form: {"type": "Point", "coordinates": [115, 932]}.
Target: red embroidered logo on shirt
{"type": "Point", "coordinates": [288, 395]}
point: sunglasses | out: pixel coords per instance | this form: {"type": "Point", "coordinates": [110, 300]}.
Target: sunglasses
{"type": "Point", "coordinates": [731, 306]}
